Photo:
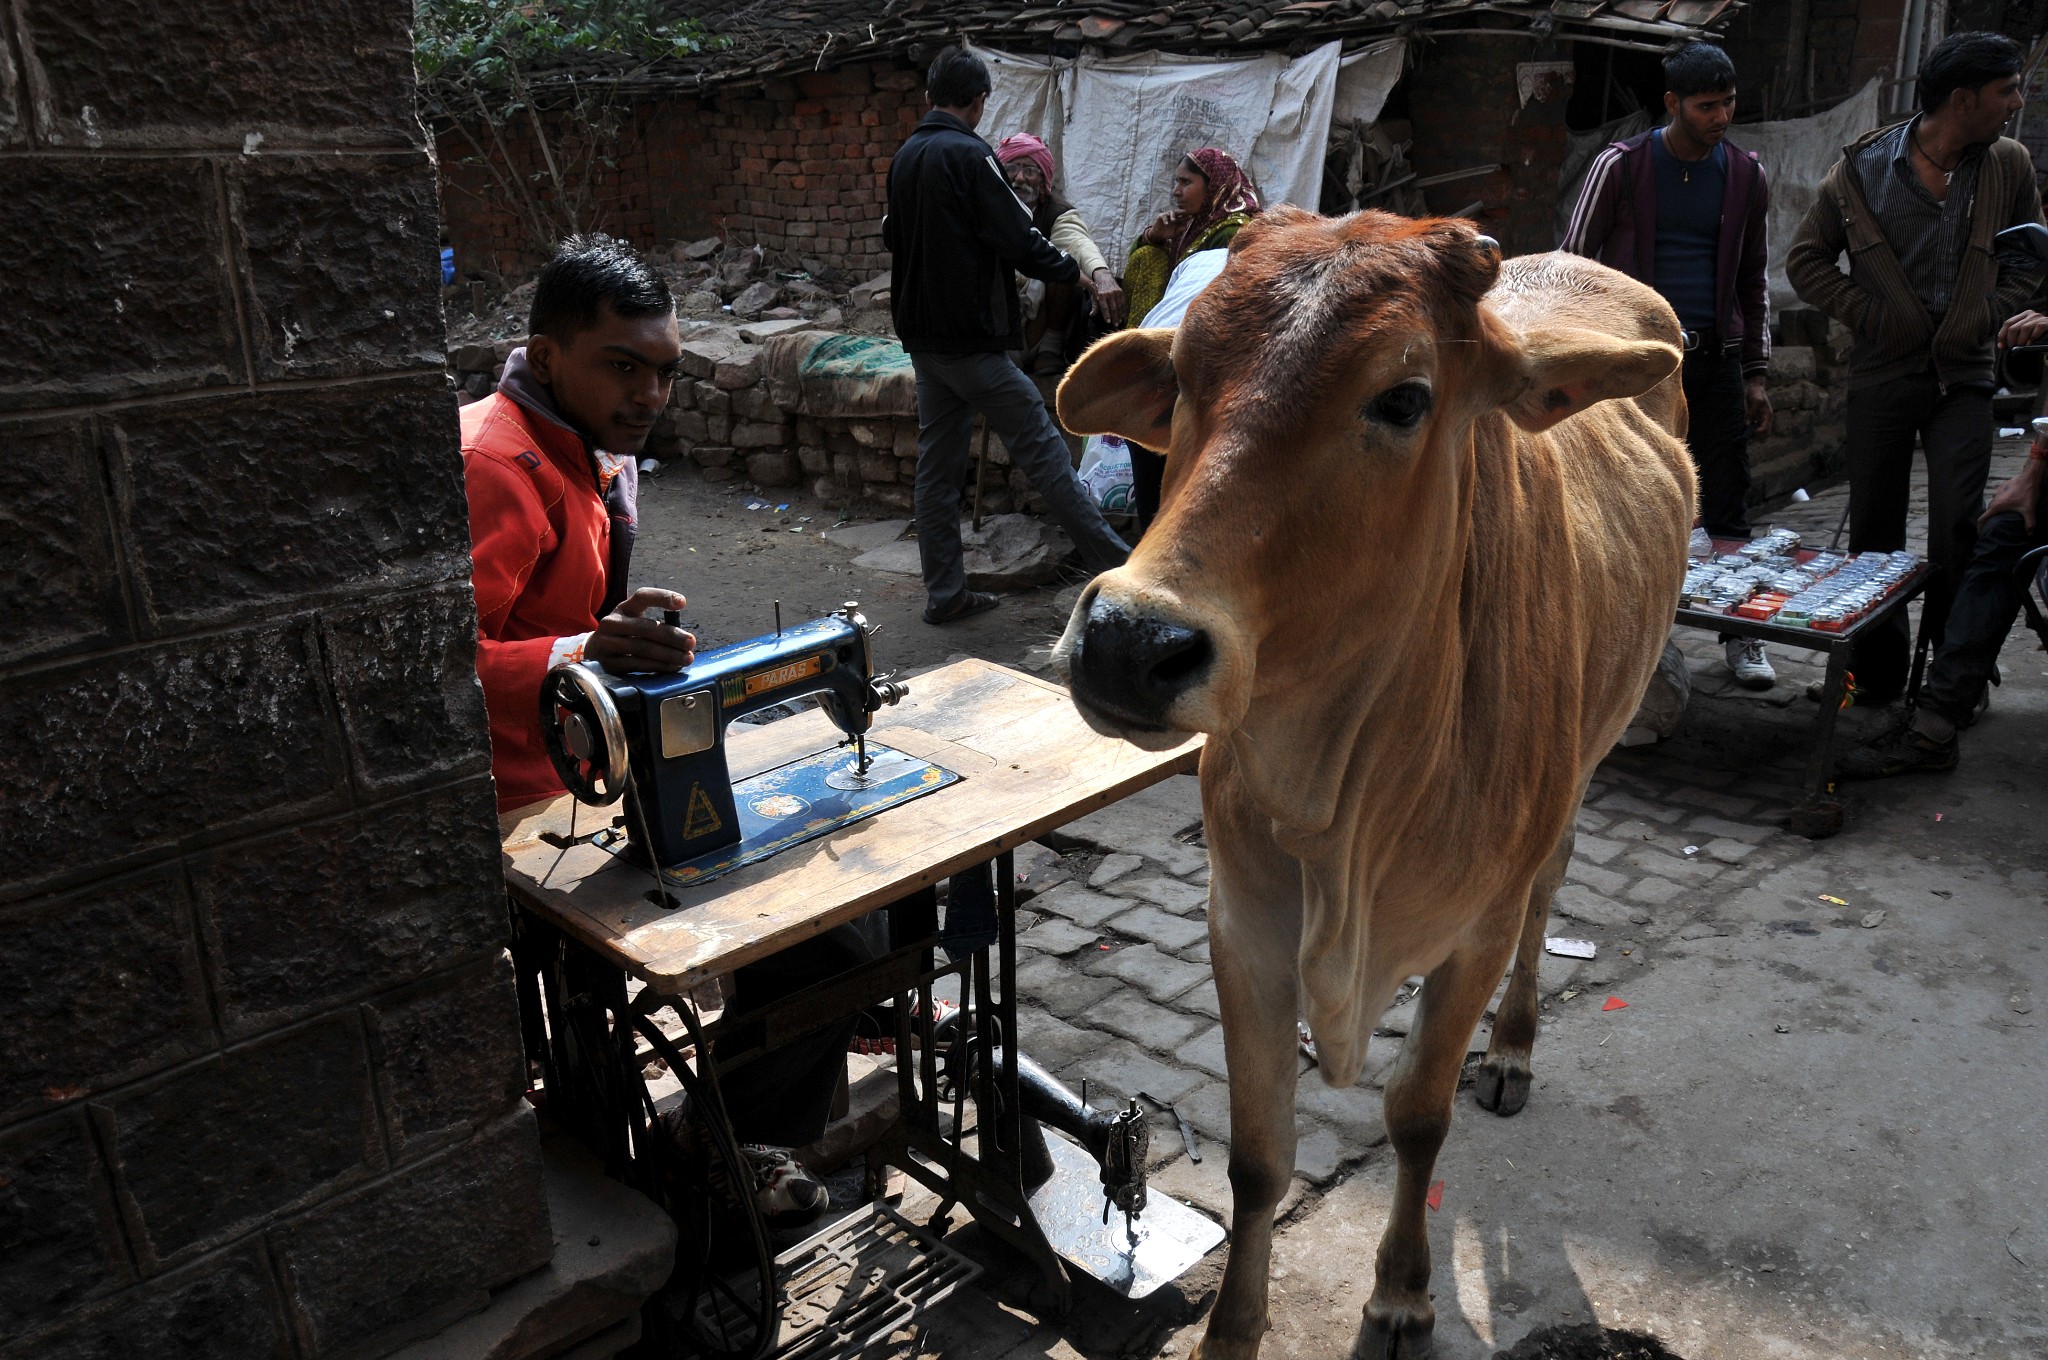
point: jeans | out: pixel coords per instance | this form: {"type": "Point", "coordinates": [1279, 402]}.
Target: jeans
{"type": "Point", "coordinates": [1954, 428]}
{"type": "Point", "coordinates": [1718, 437]}
{"type": "Point", "coordinates": [950, 389]}
{"type": "Point", "coordinates": [1986, 599]}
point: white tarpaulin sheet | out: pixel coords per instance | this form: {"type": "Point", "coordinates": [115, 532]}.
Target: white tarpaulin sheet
{"type": "Point", "coordinates": [1365, 79]}
{"type": "Point", "coordinates": [1118, 126]}
{"type": "Point", "coordinates": [1796, 156]}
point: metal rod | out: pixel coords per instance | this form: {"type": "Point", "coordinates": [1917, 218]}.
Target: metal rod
{"type": "Point", "coordinates": [778, 618]}
{"type": "Point", "coordinates": [980, 463]}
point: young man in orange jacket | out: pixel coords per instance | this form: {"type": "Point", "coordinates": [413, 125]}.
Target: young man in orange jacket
{"type": "Point", "coordinates": [550, 460]}
{"type": "Point", "coordinates": [550, 463]}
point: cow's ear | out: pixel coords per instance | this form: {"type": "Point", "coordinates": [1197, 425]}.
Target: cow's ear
{"type": "Point", "coordinates": [1560, 371]}
{"type": "Point", "coordinates": [1123, 385]}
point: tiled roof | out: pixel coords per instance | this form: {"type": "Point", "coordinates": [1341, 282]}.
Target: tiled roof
{"type": "Point", "coordinates": [778, 37]}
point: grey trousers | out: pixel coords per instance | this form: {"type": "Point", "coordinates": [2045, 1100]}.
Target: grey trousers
{"type": "Point", "coordinates": [950, 389]}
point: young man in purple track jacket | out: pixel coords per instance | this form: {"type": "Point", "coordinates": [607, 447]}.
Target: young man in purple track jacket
{"type": "Point", "coordinates": [1682, 208]}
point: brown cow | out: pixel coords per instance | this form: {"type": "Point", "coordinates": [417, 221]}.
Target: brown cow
{"type": "Point", "coordinates": [1410, 629]}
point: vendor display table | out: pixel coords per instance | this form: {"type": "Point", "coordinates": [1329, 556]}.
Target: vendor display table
{"type": "Point", "coordinates": [1820, 814]}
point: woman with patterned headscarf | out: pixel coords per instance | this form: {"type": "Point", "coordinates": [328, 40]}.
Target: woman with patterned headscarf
{"type": "Point", "coordinates": [1212, 198]}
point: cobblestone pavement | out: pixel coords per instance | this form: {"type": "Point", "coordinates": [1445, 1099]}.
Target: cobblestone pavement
{"type": "Point", "coordinates": [1814, 1131]}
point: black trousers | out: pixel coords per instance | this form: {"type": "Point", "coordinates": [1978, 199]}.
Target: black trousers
{"type": "Point", "coordinates": [1717, 436]}
{"type": "Point", "coordinates": [784, 1097]}
{"type": "Point", "coordinates": [1954, 429]}
{"type": "Point", "coordinates": [1986, 600]}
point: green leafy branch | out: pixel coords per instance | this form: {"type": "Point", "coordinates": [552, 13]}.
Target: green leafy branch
{"type": "Point", "coordinates": [485, 67]}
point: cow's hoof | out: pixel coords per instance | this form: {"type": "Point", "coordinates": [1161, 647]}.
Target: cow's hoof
{"type": "Point", "coordinates": [1396, 1339]}
{"type": "Point", "coordinates": [1502, 1085]}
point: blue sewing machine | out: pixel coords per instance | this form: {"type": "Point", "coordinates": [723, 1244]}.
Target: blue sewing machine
{"type": "Point", "coordinates": [659, 742]}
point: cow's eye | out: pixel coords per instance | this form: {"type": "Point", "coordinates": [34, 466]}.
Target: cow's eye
{"type": "Point", "coordinates": [1403, 406]}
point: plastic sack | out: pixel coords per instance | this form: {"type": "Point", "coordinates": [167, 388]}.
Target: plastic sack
{"type": "Point", "coordinates": [1106, 471]}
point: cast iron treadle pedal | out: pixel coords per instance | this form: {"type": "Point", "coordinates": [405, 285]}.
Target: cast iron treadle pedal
{"type": "Point", "coordinates": [853, 1284]}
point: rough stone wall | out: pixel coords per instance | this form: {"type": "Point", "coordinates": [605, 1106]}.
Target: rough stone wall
{"type": "Point", "coordinates": [261, 1088]}
{"type": "Point", "coordinates": [796, 166]}
{"type": "Point", "coordinates": [726, 421]}
{"type": "Point", "coordinates": [1809, 383]}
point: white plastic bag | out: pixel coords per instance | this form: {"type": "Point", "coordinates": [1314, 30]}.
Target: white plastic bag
{"type": "Point", "coordinates": [1106, 471]}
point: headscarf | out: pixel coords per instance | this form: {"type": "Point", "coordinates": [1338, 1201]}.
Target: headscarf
{"type": "Point", "coordinates": [1023, 146]}
{"type": "Point", "coordinates": [1230, 191]}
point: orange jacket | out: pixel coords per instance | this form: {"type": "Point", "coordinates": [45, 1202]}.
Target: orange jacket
{"type": "Point", "coordinates": [540, 541]}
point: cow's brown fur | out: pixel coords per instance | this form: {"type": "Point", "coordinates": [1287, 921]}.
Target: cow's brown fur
{"type": "Point", "coordinates": [1419, 645]}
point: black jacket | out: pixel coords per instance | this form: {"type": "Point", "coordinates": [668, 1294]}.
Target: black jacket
{"type": "Point", "coordinates": [954, 232]}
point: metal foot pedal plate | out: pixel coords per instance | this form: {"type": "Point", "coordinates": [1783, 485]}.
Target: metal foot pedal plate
{"type": "Point", "coordinates": [1157, 1248]}
{"type": "Point", "coordinates": [809, 798]}
{"type": "Point", "coordinates": [852, 1285]}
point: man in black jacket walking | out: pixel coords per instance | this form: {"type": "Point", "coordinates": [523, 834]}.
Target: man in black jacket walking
{"type": "Point", "coordinates": [955, 233]}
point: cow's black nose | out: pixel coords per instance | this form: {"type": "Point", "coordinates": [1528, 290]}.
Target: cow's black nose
{"type": "Point", "coordinates": [1132, 665]}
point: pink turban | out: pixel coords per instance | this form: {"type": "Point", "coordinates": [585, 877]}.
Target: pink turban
{"type": "Point", "coordinates": [1025, 147]}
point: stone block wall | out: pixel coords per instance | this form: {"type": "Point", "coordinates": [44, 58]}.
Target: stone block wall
{"type": "Point", "coordinates": [1809, 384]}
{"type": "Point", "coordinates": [796, 166]}
{"type": "Point", "coordinates": [262, 1087]}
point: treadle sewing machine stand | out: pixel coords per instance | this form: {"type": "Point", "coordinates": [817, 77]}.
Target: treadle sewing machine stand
{"type": "Point", "coordinates": [587, 920]}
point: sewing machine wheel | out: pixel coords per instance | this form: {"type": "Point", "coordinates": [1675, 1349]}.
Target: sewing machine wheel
{"type": "Point", "coordinates": [585, 740]}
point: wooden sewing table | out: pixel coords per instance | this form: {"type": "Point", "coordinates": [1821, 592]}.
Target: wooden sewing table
{"type": "Point", "coordinates": [586, 921]}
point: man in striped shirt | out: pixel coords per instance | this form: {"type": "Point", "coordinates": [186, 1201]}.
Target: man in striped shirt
{"type": "Point", "coordinates": [1682, 209]}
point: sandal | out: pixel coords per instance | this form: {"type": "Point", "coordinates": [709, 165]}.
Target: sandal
{"type": "Point", "coordinates": [972, 603]}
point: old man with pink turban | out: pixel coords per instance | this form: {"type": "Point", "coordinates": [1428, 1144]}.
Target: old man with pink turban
{"type": "Point", "coordinates": [1028, 165]}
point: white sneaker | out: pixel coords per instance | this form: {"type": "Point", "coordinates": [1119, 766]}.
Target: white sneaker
{"type": "Point", "coordinates": [1751, 666]}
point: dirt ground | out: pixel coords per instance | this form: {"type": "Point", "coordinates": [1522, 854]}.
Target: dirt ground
{"type": "Point", "coordinates": [734, 563]}
{"type": "Point", "coordinates": [1815, 1131]}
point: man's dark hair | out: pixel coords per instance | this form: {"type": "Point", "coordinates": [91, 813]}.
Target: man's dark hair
{"type": "Point", "coordinates": [1965, 61]}
{"type": "Point", "coordinates": [588, 274]}
{"type": "Point", "coordinates": [1698, 68]}
{"type": "Point", "coordinates": [957, 79]}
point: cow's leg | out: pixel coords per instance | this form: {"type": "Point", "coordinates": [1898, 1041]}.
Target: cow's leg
{"type": "Point", "coordinates": [1255, 940]}
{"type": "Point", "coordinates": [1420, 1092]}
{"type": "Point", "coordinates": [1503, 1084]}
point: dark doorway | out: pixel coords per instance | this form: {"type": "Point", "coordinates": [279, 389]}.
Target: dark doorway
{"type": "Point", "coordinates": [1611, 82]}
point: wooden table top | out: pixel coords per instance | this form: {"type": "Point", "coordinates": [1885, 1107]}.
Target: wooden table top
{"type": "Point", "coordinates": [1029, 764]}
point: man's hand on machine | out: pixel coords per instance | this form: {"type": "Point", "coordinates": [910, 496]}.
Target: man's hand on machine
{"type": "Point", "coordinates": [2022, 328]}
{"type": "Point", "coordinates": [626, 641]}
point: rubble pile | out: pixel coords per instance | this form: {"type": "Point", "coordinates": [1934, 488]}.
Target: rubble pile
{"type": "Point", "coordinates": [713, 281]}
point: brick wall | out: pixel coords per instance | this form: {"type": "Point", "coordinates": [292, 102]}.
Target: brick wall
{"type": "Point", "coordinates": [796, 166]}
{"type": "Point", "coordinates": [1757, 40]}
{"type": "Point", "coordinates": [261, 1094]}
{"type": "Point", "coordinates": [1466, 112]}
